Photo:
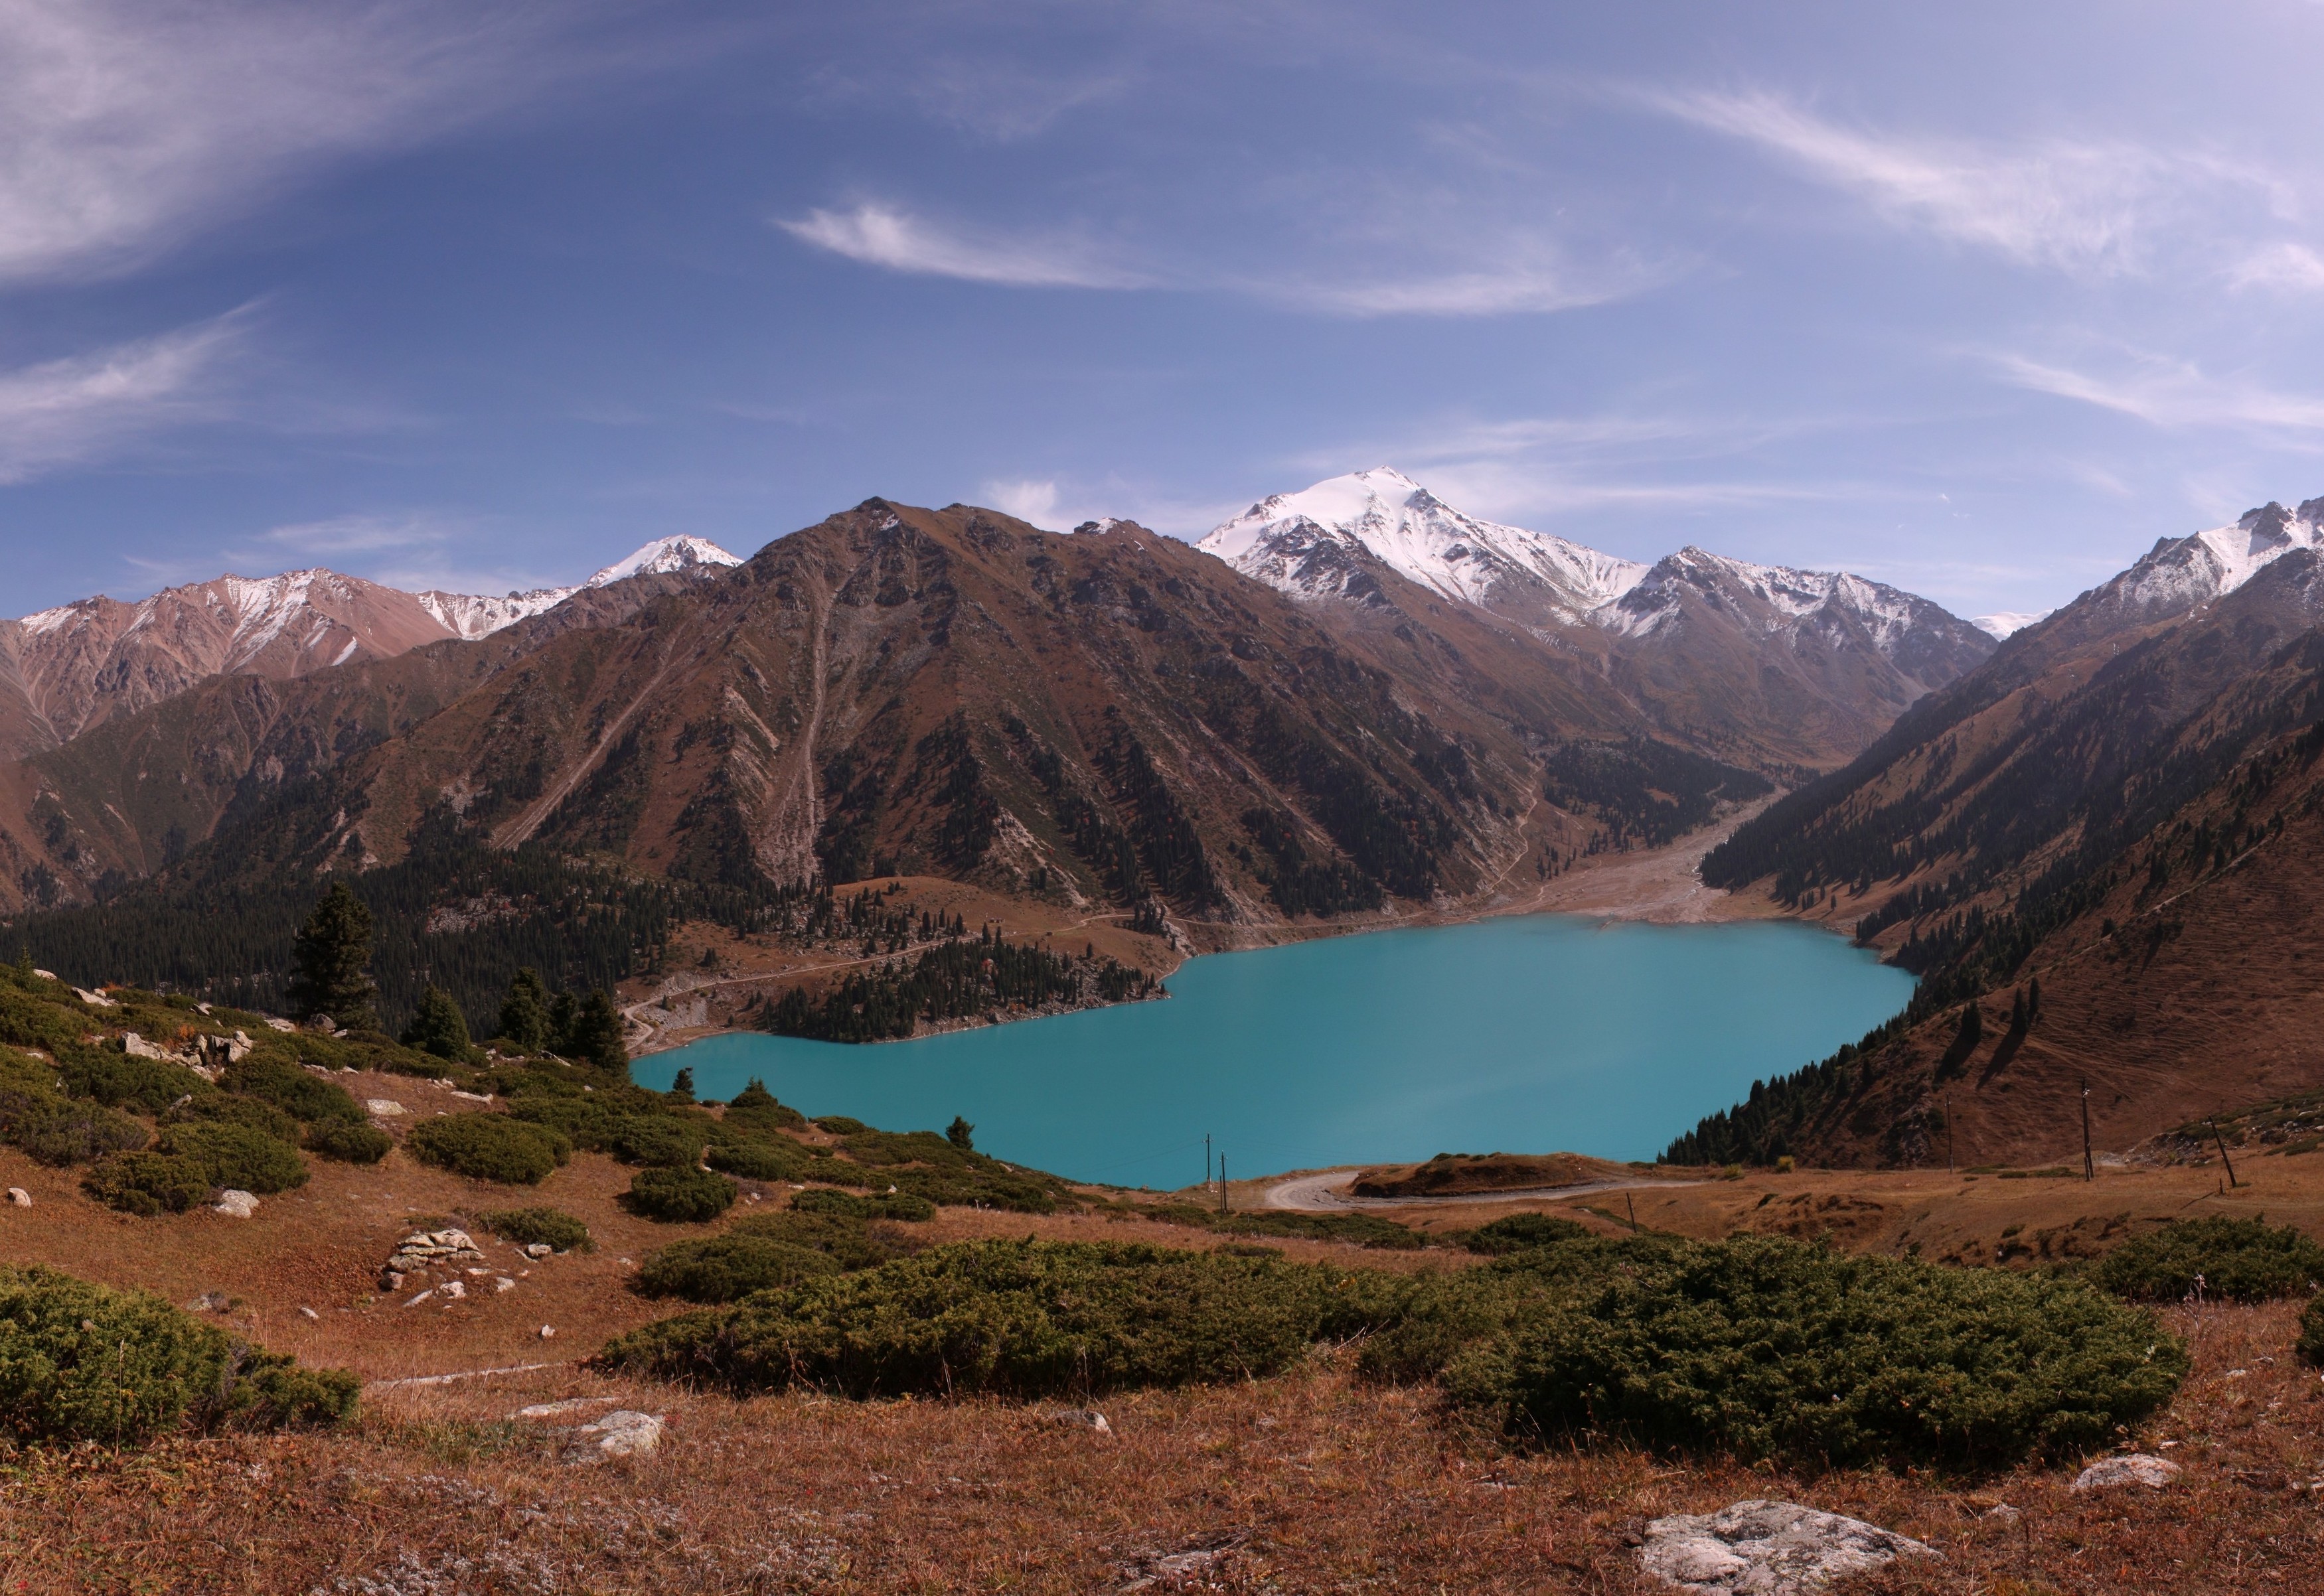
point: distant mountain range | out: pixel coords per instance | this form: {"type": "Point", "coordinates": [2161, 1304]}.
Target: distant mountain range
{"type": "Point", "coordinates": [2125, 802]}
{"type": "Point", "coordinates": [65, 670]}
{"type": "Point", "coordinates": [1754, 661]}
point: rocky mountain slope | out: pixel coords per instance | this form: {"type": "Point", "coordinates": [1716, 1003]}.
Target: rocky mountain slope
{"type": "Point", "coordinates": [1111, 718]}
{"type": "Point", "coordinates": [2121, 802]}
{"type": "Point", "coordinates": [1750, 660]}
{"type": "Point", "coordinates": [65, 670]}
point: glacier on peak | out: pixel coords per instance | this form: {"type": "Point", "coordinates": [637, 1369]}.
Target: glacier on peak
{"type": "Point", "coordinates": [1290, 541]}
{"type": "Point", "coordinates": [1300, 542]}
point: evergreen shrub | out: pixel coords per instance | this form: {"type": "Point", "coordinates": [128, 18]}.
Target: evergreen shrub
{"type": "Point", "coordinates": [237, 1156]}
{"type": "Point", "coordinates": [727, 1268]}
{"type": "Point", "coordinates": [2239, 1259]}
{"type": "Point", "coordinates": [530, 1227]}
{"type": "Point", "coordinates": [661, 1140]}
{"type": "Point", "coordinates": [122, 1080]}
{"type": "Point", "coordinates": [2311, 1344]}
{"type": "Point", "coordinates": [757, 1160]}
{"type": "Point", "coordinates": [681, 1197]}
{"type": "Point", "coordinates": [147, 1183]}
{"type": "Point", "coordinates": [755, 1107]}
{"type": "Point", "coordinates": [1770, 1349]}
{"type": "Point", "coordinates": [82, 1361]}
{"type": "Point", "coordinates": [76, 1134]}
{"type": "Point", "coordinates": [894, 1205]}
{"type": "Point", "coordinates": [303, 1095]}
{"type": "Point", "coordinates": [1756, 1346]}
{"type": "Point", "coordinates": [349, 1141]}
{"type": "Point", "coordinates": [851, 1243]}
{"type": "Point", "coordinates": [226, 1108]}
{"type": "Point", "coordinates": [1514, 1233]}
{"type": "Point", "coordinates": [486, 1146]}
{"type": "Point", "coordinates": [1017, 1318]}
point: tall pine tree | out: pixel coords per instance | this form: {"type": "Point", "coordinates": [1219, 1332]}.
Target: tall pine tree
{"type": "Point", "coordinates": [330, 962]}
{"type": "Point", "coordinates": [439, 1027]}
{"type": "Point", "coordinates": [595, 1033]}
{"type": "Point", "coordinates": [524, 1012]}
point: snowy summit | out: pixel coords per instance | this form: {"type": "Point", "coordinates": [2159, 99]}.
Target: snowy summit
{"type": "Point", "coordinates": [1289, 540]}
{"type": "Point", "coordinates": [478, 615]}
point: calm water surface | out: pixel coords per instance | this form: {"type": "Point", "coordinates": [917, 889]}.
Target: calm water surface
{"type": "Point", "coordinates": [1529, 1034]}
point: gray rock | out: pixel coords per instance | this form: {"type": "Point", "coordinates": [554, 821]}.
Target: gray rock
{"type": "Point", "coordinates": [440, 1251]}
{"type": "Point", "coordinates": [2131, 1468]}
{"type": "Point", "coordinates": [20, 1197]}
{"type": "Point", "coordinates": [383, 1108]}
{"type": "Point", "coordinates": [621, 1434]}
{"type": "Point", "coordinates": [1081, 1418]}
{"type": "Point", "coordinates": [1767, 1548]}
{"type": "Point", "coordinates": [235, 1204]}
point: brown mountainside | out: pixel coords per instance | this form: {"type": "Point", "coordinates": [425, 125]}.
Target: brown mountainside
{"type": "Point", "coordinates": [1101, 718]}
{"type": "Point", "coordinates": [67, 670]}
{"type": "Point", "coordinates": [2121, 803]}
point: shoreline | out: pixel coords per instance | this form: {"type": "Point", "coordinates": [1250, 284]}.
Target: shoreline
{"type": "Point", "coordinates": [1658, 886]}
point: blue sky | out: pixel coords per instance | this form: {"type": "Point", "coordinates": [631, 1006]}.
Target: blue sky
{"type": "Point", "coordinates": [1981, 299]}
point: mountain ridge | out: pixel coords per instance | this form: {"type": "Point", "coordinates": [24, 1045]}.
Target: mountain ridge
{"type": "Point", "coordinates": [67, 669]}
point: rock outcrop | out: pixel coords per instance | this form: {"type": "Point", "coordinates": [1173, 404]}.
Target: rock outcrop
{"type": "Point", "coordinates": [1767, 1548]}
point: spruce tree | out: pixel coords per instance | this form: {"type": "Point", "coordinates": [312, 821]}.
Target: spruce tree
{"type": "Point", "coordinates": [682, 1089]}
{"type": "Point", "coordinates": [524, 1014]}
{"type": "Point", "coordinates": [439, 1027]}
{"type": "Point", "coordinates": [959, 1133]}
{"type": "Point", "coordinates": [330, 962]}
{"type": "Point", "coordinates": [595, 1034]}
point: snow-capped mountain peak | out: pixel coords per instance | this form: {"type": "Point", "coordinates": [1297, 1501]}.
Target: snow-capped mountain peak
{"type": "Point", "coordinates": [2004, 624]}
{"type": "Point", "coordinates": [664, 556]}
{"type": "Point", "coordinates": [2177, 573]}
{"type": "Point", "coordinates": [1301, 541]}
{"type": "Point", "coordinates": [478, 615]}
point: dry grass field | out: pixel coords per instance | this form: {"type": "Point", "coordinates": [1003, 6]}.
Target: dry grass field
{"type": "Point", "coordinates": [1314, 1481]}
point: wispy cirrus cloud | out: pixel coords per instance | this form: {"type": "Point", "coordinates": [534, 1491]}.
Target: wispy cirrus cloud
{"type": "Point", "coordinates": [1529, 277]}
{"type": "Point", "coordinates": [65, 412]}
{"type": "Point", "coordinates": [2285, 267]}
{"type": "Point", "coordinates": [887, 236]}
{"type": "Point", "coordinates": [2088, 207]}
{"type": "Point", "coordinates": [2172, 393]}
{"type": "Point", "coordinates": [128, 125]}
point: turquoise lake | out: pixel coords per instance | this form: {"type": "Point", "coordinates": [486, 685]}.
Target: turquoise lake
{"type": "Point", "coordinates": [1533, 1034]}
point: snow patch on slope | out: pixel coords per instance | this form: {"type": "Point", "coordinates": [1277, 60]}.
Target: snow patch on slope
{"type": "Point", "coordinates": [2179, 573]}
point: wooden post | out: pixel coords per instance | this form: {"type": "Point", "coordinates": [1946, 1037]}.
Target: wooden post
{"type": "Point", "coordinates": [1223, 1183]}
{"type": "Point", "coordinates": [2090, 1165]}
{"type": "Point", "coordinates": [1948, 1130]}
{"type": "Point", "coordinates": [1634, 1212]}
{"type": "Point", "coordinates": [1206, 1158]}
{"type": "Point", "coordinates": [2222, 1141]}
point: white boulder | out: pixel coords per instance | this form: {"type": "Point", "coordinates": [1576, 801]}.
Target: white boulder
{"type": "Point", "coordinates": [1767, 1548]}
{"type": "Point", "coordinates": [235, 1204]}
{"type": "Point", "coordinates": [621, 1434]}
{"type": "Point", "coordinates": [2130, 1468]}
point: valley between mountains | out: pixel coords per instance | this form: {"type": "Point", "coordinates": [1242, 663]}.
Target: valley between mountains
{"type": "Point", "coordinates": [737, 785]}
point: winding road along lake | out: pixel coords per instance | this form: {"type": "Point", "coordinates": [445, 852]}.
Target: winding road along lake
{"type": "Point", "coordinates": [1529, 1034]}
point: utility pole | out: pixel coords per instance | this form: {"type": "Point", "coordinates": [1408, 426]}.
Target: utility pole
{"type": "Point", "coordinates": [2222, 1141]}
{"type": "Point", "coordinates": [1634, 1212]}
{"type": "Point", "coordinates": [1206, 1158]}
{"type": "Point", "coordinates": [1223, 1183]}
{"type": "Point", "coordinates": [2090, 1165]}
